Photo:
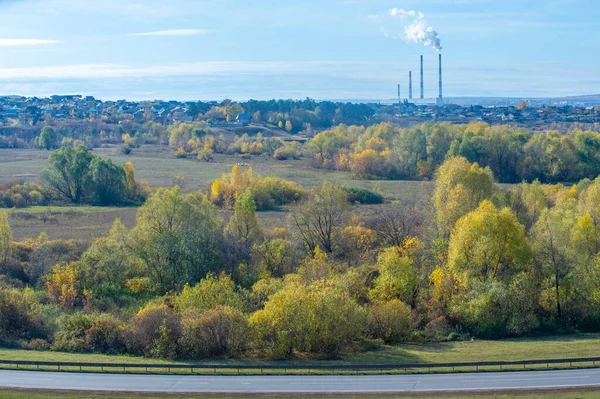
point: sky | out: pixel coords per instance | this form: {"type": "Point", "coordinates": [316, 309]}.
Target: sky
{"type": "Point", "coordinates": [323, 49]}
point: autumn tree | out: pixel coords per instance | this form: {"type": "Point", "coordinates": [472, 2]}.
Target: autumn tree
{"type": "Point", "coordinates": [319, 220]}
{"type": "Point", "coordinates": [5, 238]}
{"type": "Point", "coordinates": [460, 187]}
{"type": "Point", "coordinates": [554, 252]}
{"type": "Point", "coordinates": [314, 318]}
{"type": "Point", "coordinates": [243, 226]}
{"type": "Point", "coordinates": [488, 244]}
{"type": "Point", "coordinates": [398, 277]}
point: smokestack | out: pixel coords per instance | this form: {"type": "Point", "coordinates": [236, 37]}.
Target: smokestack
{"type": "Point", "coordinates": [410, 85]}
{"type": "Point", "coordinates": [422, 90]}
{"type": "Point", "coordinates": [399, 93]}
{"type": "Point", "coordinates": [440, 57]}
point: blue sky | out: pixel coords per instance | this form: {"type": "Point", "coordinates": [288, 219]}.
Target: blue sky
{"type": "Point", "coordinates": [324, 49]}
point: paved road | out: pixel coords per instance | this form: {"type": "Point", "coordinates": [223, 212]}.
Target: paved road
{"type": "Point", "coordinates": [317, 384]}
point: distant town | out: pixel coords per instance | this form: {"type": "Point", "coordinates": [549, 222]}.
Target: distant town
{"type": "Point", "coordinates": [28, 112]}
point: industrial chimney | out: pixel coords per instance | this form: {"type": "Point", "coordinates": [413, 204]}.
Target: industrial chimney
{"type": "Point", "coordinates": [440, 57]}
{"type": "Point", "coordinates": [422, 90]}
{"type": "Point", "coordinates": [399, 100]}
{"type": "Point", "coordinates": [410, 85]}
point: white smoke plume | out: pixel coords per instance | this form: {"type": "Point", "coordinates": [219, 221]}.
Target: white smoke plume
{"type": "Point", "coordinates": [417, 31]}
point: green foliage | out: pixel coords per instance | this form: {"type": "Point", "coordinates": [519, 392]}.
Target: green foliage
{"type": "Point", "coordinates": [317, 319]}
{"type": "Point", "coordinates": [78, 175]}
{"type": "Point", "coordinates": [209, 293]}
{"type": "Point", "coordinates": [177, 238]}
{"type": "Point", "coordinates": [47, 138]}
{"type": "Point", "coordinates": [397, 278]}
{"type": "Point", "coordinates": [243, 226]}
{"type": "Point", "coordinates": [19, 316]}
{"type": "Point", "coordinates": [363, 196]}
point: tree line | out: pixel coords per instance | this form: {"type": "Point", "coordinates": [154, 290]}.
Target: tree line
{"type": "Point", "coordinates": [514, 155]}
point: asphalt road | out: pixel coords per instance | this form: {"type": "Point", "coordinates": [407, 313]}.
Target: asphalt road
{"type": "Point", "coordinates": [316, 384]}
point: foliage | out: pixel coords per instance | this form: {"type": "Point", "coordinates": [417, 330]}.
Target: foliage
{"type": "Point", "coordinates": [78, 175]}
{"type": "Point", "coordinates": [319, 220]}
{"type": "Point", "coordinates": [390, 321]}
{"type": "Point", "coordinates": [316, 319]}
{"type": "Point", "coordinates": [363, 196]}
{"type": "Point", "coordinates": [222, 331]}
{"type": "Point", "coordinates": [177, 238]}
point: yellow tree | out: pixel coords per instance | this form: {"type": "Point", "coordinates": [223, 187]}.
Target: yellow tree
{"type": "Point", "coordinates": [460, 187]}
{"type": "Point", "coordinates": [488, 244]}
{"type": "Point", "coordinates": [5, 238]}
{"type": "Point", "coordinates": [130, 178]}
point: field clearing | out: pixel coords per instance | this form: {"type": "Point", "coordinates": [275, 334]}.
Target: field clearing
{"type": "Point", "coordinates": [581, 394]}
{"type": "Point", "coordinates": [157, 165]}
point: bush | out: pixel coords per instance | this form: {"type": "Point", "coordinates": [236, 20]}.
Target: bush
{"type": "Point", "coordinates": [285, 153]}
{"type": "Point", "coordinates": [80, 332]}
{"type": "Point", "coordinates": [153, 329]}
{"type": "Point", "coordinates": [222, 331]}
{"type": "Point", "coordinates": [363, 196]}
{"type": "Point", "coordinates": [316, 319]}
{"type": "Point", "coordinates": [106, 334]}
{"type": "Point", "coordinates": [19, 316]}
{"type": "Point", "coordinates": [390, 321]}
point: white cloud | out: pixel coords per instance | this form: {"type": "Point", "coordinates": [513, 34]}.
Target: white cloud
{"type": "Point", "coordinates": [24, 42]}
{"type": "Point", "coordinates": [173, 32]}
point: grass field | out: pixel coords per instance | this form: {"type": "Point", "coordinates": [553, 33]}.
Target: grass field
{"type": "Point", "coordinates": [11, 394]}
{"type": "Point", "coordinates": [584, 394]}
{"type": "Point", "coordinates": [564, 346]}
{"type": "Point", "coordinates": [157, 165]}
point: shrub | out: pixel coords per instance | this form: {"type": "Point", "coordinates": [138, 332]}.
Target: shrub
{"type": "Point", "coordinates": [210, 292]}
{"type": "Point", "coordinates": [106, 334]}
{"type": "Point", "coordinates": [151, 329]}
{"type": "Point", "coordinates": [285, 153]}
{"type": "Point", "coordinates": [390, 321]}
{"type": "Point", "coordinates": [222, 331]}
{"type": "Point", "coordinates": [19, 316]}
{"type": "Point", "coordinates": [316, 319]}
{"type": "Point", "coordinates": [363, 196]}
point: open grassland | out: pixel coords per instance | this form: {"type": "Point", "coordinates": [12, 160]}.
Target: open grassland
{"type": "Point", "coordinates": [564, 346]}
{"type": "Point", "coordinates": [580, 394]}
{"type": "Point", "coordinates": [157, 165]}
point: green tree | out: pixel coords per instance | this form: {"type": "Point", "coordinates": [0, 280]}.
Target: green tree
{"type": "Point", "coordinates": [108, 181]}
{"type": "Point", "coordinates": [47, 138]}
{"type": "Point", "coordinates": [553, 249]}
{"type": "Point", "coordinates": [68, 175]}
{"type": "Point", "coordinates": [243, 226]}
{"type": "Point", "coordinates": [319, 220]}
{"type": "Point", "coordinates": [177, 237]}
{"type": "Point", "coordinates": [5, 238]}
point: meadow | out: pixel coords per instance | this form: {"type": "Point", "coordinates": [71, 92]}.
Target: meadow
{"type": "Point", "coordinates": [160, 168]}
